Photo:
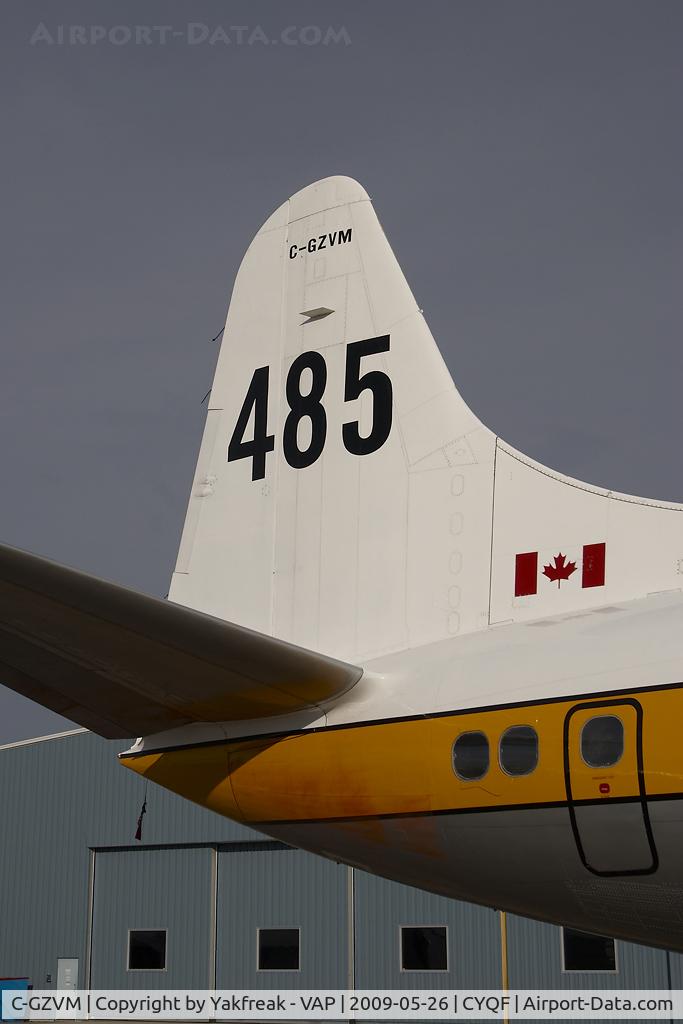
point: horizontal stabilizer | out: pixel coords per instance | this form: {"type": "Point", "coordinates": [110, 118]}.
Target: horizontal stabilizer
{"type": "Point", "coordinates": [124, 664]}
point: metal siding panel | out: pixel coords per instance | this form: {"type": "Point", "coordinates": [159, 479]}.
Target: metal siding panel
{"type": "Point", "coordinates": [281, 888]}
{"type": "Point", "coordinates": [674, 970]}
{"type": "Point", "coordinates": [67, 794]}
{"type": "Point", "coordinates": [382, 907]}
{"type": "Point", "coordinates": [44, 897]}
{"type": "Point", "coordinates": [166, 889]}
{"type": "Point", "coordinates": [535, 961]}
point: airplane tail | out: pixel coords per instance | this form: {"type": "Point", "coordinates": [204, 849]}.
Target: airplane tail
{"type": "Point", "coordinates": [339, 468]}
{"type": "Point", "coordinates": [346, 499]}
{"type": "Point", "coordinates": [346, 504]}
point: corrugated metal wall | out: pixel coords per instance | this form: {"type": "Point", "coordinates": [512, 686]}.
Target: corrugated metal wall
{"type": "Point", "coordinates": [535, 961]}
{"type": "Point", "coordinates": [382, 907]}
{"type": "Point", "coordinates": [169, 890]}
{"type": "Point", "coordinates": [281, 888]}
{"type": "Point", "coordinates": [60, 797]}
{"type": "Point", "coordinates": [67, 805]}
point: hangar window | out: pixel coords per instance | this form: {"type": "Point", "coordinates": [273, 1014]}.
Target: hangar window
{"type": "Point", "coordinates": [424, 949]}
{"type": "Point", "coordinates": [278, 949]}
{"type": "Point", "coordinates": [583, 952]}
{"type": "Point", "coordinates": [471, 756]}
{"type": "Point", "coordinates": [518, 751]}
{"type": "Point", "coordinates": [147, 949]}
{"type": "Point", "coordinates": [602, 741]}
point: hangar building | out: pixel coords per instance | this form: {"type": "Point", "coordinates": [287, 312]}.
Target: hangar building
{"type": "Point", "coordinates": [202, 902]}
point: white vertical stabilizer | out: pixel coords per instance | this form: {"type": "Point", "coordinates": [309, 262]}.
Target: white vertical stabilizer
{"type": "Point", "coordinates": [354, 554]}
{"type": "Point", "coordinates": [346, 499]}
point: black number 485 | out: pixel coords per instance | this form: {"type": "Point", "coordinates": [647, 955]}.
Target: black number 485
{"type": "Point", "coordinates": [310, 405]}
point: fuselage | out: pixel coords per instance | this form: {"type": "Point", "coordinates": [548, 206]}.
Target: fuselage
{"type": "Point", "coordinates": [560, 799]}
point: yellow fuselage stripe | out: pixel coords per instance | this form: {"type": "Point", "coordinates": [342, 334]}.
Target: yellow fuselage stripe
{"type": "Point", "coordinates": [405, 767]}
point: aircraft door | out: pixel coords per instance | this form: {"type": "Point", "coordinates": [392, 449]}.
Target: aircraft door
{"type": "Point", "coordinates": [603, 766]}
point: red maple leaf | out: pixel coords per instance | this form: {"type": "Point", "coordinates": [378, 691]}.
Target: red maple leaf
{"type": "Point", "coordinates": [561, 570]}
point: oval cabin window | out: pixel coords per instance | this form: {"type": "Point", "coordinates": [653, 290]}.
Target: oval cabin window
{"type": "Point", "coordinates": [471, 756]}
{"type": "Point", "coordinates": [602, 741]}
{"type": "Point", "coordinates": [518, 752]}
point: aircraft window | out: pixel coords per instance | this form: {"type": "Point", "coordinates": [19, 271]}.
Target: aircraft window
{"type": "Point", "coordinates": [471, 756]}
{"type": "Point", "coordinates": [602, 741]}
{"type": "Point", "coordinates": [147, 950]}
{"type": "Point", "coordinates": [518, 752]}
{"type": "Point", "coordinates": [583, 952]}
{"type": "Point", "coordinates": [278, 949]}
{"type": "Point", "coordinates": [424, 949]}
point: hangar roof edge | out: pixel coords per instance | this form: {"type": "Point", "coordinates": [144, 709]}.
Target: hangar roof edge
{"type": "Point", "coordinates": [40, 739]}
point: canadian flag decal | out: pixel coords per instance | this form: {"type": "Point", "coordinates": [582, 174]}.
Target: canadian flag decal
{"type": "Point", "coordinates": [560, 569]}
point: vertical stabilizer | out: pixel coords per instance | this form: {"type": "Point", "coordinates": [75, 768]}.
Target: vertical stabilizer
{"type": "Point", "coordinates": [346, 499]}
{"type": "Point", "coordinates": [343, 493]}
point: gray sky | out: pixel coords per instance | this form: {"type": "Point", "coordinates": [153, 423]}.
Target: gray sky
{"type": "Point", "coordinates": [525, 159]}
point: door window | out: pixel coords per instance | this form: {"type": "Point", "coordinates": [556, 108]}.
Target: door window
{"type": "Point", "coordinates": [602, 741]}
{"type": "Point", "coordinates": [583, 952]}
{"type": "Point", "coordinates": [424, 949]}
{"type": "Point", "coordinates": [279, 949]}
